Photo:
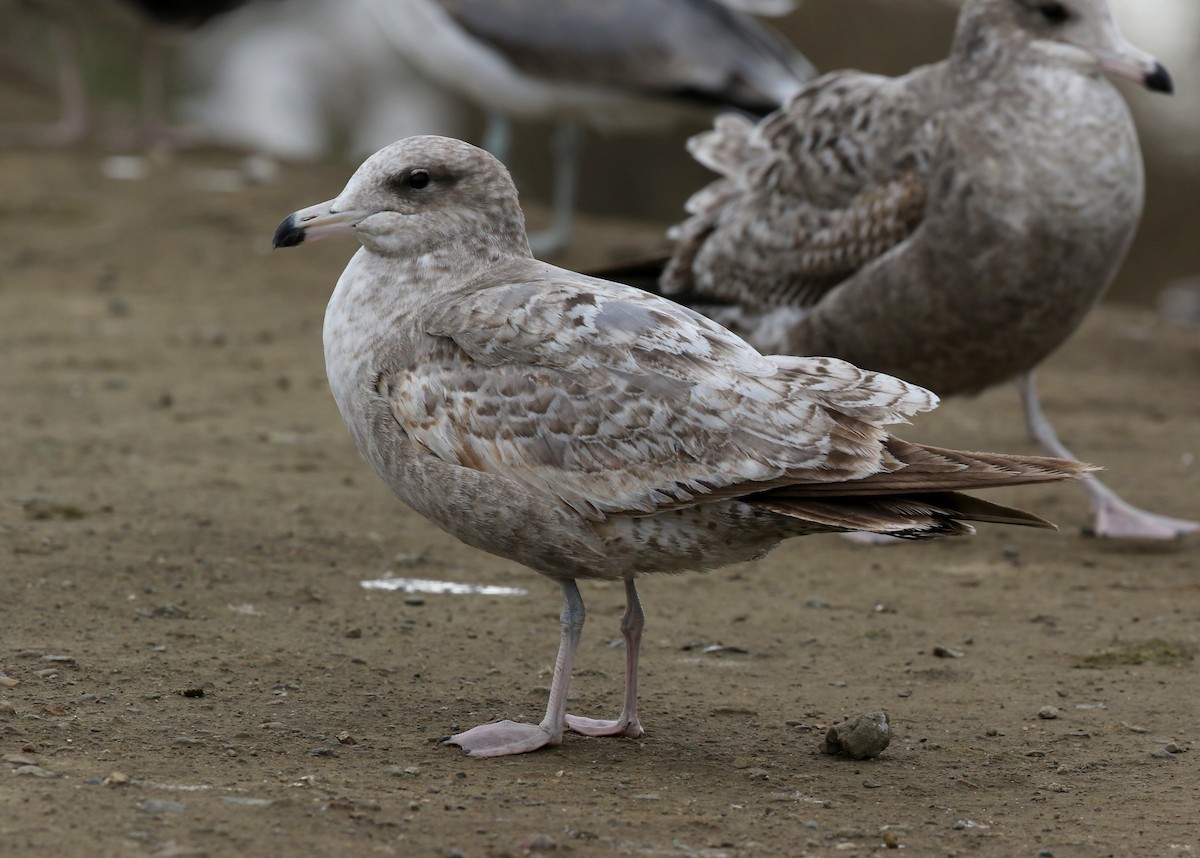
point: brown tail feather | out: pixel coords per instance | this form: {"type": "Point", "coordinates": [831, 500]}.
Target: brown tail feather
{"type": "Point", "coordinates": [911, 517]}
{"type": "Point", "coordinates": [935, 469]}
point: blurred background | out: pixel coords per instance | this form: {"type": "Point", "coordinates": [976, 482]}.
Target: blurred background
{"type": "Point", "coordinates": [315, 80]}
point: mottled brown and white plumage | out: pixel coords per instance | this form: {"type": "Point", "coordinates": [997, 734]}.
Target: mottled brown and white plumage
{"type": "Point", "coordinates": [952, 226]}
{"type": "Point", "coordinates": [590, 430]}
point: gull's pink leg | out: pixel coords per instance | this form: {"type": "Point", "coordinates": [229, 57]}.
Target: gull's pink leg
{"type": "Point", "coordinates": [74, 123]}
{"type": "Point", "coordinates": [627, 724]}
{"type": "Point", "coordinates": [1114, 517]}
{"type": "Point", "coordinates": [508, 737]}
{"type": "Point", "coordinates": [72, 126]}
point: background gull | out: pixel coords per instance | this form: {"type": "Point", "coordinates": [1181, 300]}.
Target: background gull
{"type": "Point", "coordinates": [303, 79]}
{"type": "Point", "coordinates": [952, 226]}
{"type": "Point", "coordinates": [620, 64]}
{"type": "Point", "coordinates": [162, 20]}
{"type": "Point", "coordinates": [590, 430]}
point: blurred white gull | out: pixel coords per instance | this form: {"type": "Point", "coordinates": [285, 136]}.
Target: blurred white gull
{"type": "Point", "coordinates": [304, 79]}
{"type": "Point", "coordinates": [616, 65]}
{"type": "Point", "coordinates": [591, 430]}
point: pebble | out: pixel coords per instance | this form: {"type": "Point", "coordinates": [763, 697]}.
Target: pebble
{"type": "Point", "coordinates": [864, 736]}
{"type": "Point", "coordinates": [7, 710]}
{"type": "Point", "coordinates": [947, 652]}
{"type": "Point", "coordinates": [1179, 302]}
{"type": "Point", "coordinates": [538, 843]}
{"type": "Point", "coordinates": [125, 167]}
{"type": "Point", "coordinates": [34, 771]}
{"type": "Point", "coordinates": [247, 802]}
{"type": "Point", "coordinates": [7, 681]}
{"type": "Point", "coordinates": [891, 840]}
{"type": "Point", "coordinates": [160, 805]}
{"type": "Point", "coordinates": [116, 779]}
{"type": "Point", "coordinates": [1048, 713]}
{"type": "Point", "coordinates": [414, 600]}
{"type": "Point", "coordinates": [346, 739]}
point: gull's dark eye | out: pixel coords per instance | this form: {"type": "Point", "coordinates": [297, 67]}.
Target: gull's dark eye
{"type": "Point", "coordinates": [1055, 13]}
{"type": "Point", "coordinates": [418, 179]}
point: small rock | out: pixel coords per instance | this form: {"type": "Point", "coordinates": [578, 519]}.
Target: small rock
{"type": "Point", "coordinates": [7, 681]}
{"type": "Point", "coordinates": [891, 839]}
{"type": "Point", "coordinates": [1048, 713]}
{"type": "Point", "coordinates": [60, 659]}
{"type": "Point", "coordinates": [115, 779]}
{"type": "Point", "coordinates": [37, 772]}
{"type": "Point", "coordinates": [538, 843]}
{"type": "Point", "coordinates": [947, 652]}
{"type": "Point", "coordinates": [246, 801]}
{"type": "Point", "coordinates": [18, 760]}
{"type": "Point", "coordinates": [159, 805]}
{"type": "Point", "coordinates": [1179, 302]}
{"type": "Point", "coordinates": [7, 710]}
{"type": "Point", "coordinates": [862, 737]}
{"type": "Point", "coordinates": [346, 739]}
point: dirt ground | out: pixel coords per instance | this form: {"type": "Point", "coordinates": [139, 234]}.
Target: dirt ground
{"type": "Point", "coordinates": [194, 667]}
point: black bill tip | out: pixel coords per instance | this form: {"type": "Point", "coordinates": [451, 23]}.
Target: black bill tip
{"type": "Point", "coordinates": [288, 233]}
{"type": "Point", "coordinates": [1159, 80]}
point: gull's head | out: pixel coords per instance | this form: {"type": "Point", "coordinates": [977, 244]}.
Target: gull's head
{"type": "Point", "coordinates": [418, 194]}
{"type": "Point", "coordinates": [1081, 33]}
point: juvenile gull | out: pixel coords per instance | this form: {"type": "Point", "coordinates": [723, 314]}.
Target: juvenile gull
{"type": "Point", "coordinates": [591, 430]}
{"type": "Point", "coordinates": [952, 226]}
{"type": "Point", "coordinates": [616, 65]}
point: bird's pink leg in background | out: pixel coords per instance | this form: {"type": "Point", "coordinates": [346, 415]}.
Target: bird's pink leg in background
{"type": "Point", "coordinates": [1114, 517]}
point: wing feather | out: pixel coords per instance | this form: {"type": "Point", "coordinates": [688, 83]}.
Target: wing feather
{"type": "Point", "coordinates": [614, 400]}
{"type": "Point", "coordinates": [819, 189]}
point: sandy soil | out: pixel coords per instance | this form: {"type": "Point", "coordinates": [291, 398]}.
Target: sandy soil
{"type": "Point", "coordinates": [194, 667]}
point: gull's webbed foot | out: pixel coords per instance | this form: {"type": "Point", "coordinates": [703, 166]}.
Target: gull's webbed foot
{"type": "Point", "coordinates": [502, 738]}
{"type": "Point", "coordinates": [1116, 519]}
{"type": "Point", "coordinates": [591, 727]}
